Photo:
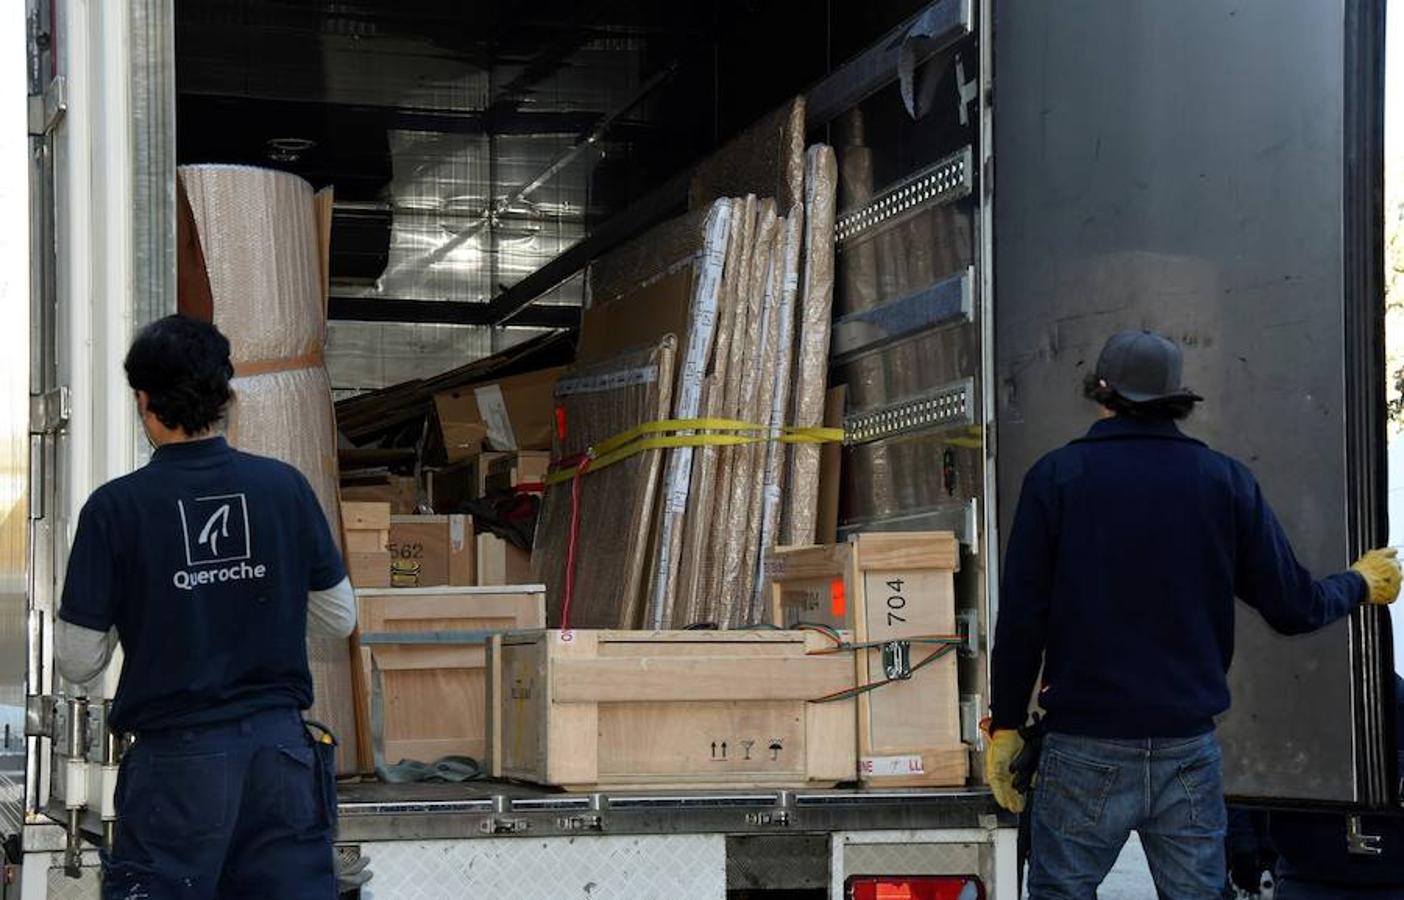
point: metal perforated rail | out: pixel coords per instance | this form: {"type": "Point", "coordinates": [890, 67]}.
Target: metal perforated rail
{"type": "Point", "coordinates": [947, 406]}
{"type": "Point", "coordinates": [948, 180]}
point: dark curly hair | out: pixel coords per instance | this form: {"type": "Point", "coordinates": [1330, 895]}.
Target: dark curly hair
{"type": "Point", "coordinates": [183, 366]}
{"type": "Point", "coordinates": [1173, 408]}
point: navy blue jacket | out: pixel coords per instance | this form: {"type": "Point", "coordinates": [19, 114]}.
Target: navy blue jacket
{"type": "Point", "coordinates": [1127, 549]}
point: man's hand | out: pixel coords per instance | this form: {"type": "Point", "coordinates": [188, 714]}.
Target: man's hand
{"type": "Point", "coordinates": [352, 875]}
{"type": "Point", "coordinates": [1004, 746]}
{"type": "Point", "coordinates": [1380, 569]}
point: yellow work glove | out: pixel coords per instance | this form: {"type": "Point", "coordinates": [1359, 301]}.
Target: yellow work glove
{"type": "Point", "coordinates": [1004, 747]}
{"type": "Point", "coordinates": [1380, 569]}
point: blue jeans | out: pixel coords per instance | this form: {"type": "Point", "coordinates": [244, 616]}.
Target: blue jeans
{"type": "Point", "coordinates": [242, 809]}
{"type": "Point", "coordinates": [1091, 794]}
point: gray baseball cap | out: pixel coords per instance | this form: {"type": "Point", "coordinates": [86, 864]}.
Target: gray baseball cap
{"type": "Point", "coordinates": [1143, 366]}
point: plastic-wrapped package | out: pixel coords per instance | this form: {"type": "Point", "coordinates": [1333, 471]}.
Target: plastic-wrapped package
{"type": "Point", "coordinates": [595, 402]}
{"type": "Point", "coordinates": [689, 606]}
{"type": "Point", "coordinates": [288, 415]}
{"type": "Point", "coordinates": [695, 357]}
{"type": "Point", "coordinates": [259, 235]}
{"type": "Point", "coordinates": [812, 348]}
{"type": "Point", "coordinates": [767, 159]}
{"type": "Point", "coordinates": [732, 593]}
{"type": "Point", "coordinates": [780, 352]}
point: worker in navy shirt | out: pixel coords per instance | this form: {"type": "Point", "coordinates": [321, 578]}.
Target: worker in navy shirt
{"type": "Point", "coordinates": [1127, 550]}
{"type": "Point", "coordinates": [208, 566]}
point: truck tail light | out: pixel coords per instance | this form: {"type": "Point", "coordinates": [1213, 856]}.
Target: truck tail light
{"type": "Point", "coordinates": [932, 887]}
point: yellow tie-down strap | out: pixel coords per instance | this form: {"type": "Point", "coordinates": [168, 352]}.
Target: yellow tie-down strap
{"type": "Point", "coordinates": [665, 434]}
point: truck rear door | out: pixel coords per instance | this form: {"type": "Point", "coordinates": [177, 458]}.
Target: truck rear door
{"type": "Point", "coordinates": [1213, 171]}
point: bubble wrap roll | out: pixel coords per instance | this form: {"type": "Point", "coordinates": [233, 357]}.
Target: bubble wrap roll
{"type": "Point", "coordinates": [260, 240]}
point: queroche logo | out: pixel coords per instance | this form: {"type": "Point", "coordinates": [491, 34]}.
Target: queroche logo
{"type": "Point", "coordinates": [216, 529]}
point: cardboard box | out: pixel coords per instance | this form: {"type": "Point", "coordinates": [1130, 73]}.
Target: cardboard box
{"type": "Point", "coordinates": [428, 551]}
{"type": "Point", "coordinates": [637, 319]}
{"type": "Point", "coordinates": [516, 413]}
{"type": "Point", "coordinates": [433, 695]}
{"type": "Point", "coordinates": [887, 587]}
{"type": "Point", "coordinates": [502, 562]}
{"type": "Point", "coordinates": [670, 710]}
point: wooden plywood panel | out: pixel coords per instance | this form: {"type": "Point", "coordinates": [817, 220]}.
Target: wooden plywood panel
{"type": "Point", "coordinates": [737, 742]}
{"type": "Point", "coordinates": [458, 729]}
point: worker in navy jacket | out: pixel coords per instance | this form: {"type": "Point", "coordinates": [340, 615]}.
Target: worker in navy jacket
{"type": "Point", "coordinates": [208, 566]}
{"type": "Point", "coordinates": [1127, 550]}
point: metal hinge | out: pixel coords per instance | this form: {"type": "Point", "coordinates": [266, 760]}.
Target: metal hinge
{"type": "Point", "coordinates": [504, 825]}
{"type": "Point", "coordinates": [1358, 843]}
{"type": "Point", "coordinates": [40, 715]}
{"type": "Point", "coordinates": [970, 733]}
{"type": "Point", "coordinates": [968, 627]}
{"type": "Point", "coordinates": [897, 660]}
{"type": "Point", "coordinates": [580, 823]}
{"type": "Point", "coordinates": [46, 110]}
{"type": "Point", "coordinates": [50, 411]}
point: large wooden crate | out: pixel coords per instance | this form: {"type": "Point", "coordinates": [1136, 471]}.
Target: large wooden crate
{"type": "Point", "coordinates": [887, 587]}
{"type": "Point", "coordinates": [428, 646]}
{"type": "Point", "coordinates": [669, 709]}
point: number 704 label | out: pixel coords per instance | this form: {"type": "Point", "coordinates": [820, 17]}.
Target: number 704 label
{"type": "Point", "coordinates": [896, 603]}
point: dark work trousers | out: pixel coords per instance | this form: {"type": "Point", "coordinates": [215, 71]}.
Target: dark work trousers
{"type": "Point", "coordinates": [239, 809]}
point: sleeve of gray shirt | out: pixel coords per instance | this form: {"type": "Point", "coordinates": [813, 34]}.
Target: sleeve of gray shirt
{"type": "Point", "coordinates": [82, 654]}
{"type": "Point", "coordinates": [332, 612]}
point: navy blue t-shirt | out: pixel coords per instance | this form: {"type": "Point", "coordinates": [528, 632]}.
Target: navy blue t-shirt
{"type": "Point", "coordinates": [202, 560]}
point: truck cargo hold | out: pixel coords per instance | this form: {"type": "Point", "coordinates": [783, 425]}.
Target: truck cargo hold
{"type": "Point", "coordinates": [667, 374]}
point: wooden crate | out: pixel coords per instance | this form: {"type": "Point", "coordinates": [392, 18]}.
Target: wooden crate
{"type": "Point", "coordinates": [427, 551]}
{"type": "Point", "coordinates": [366, 529]}
{"type": "Point", "coordinates": [501, 562]}
{"type": "Point", "coordinates": [669, 709]}
{"type": "Point", "coordinates": [885, 587]}
{"type": "Point", "coordinates": [433, 692]}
